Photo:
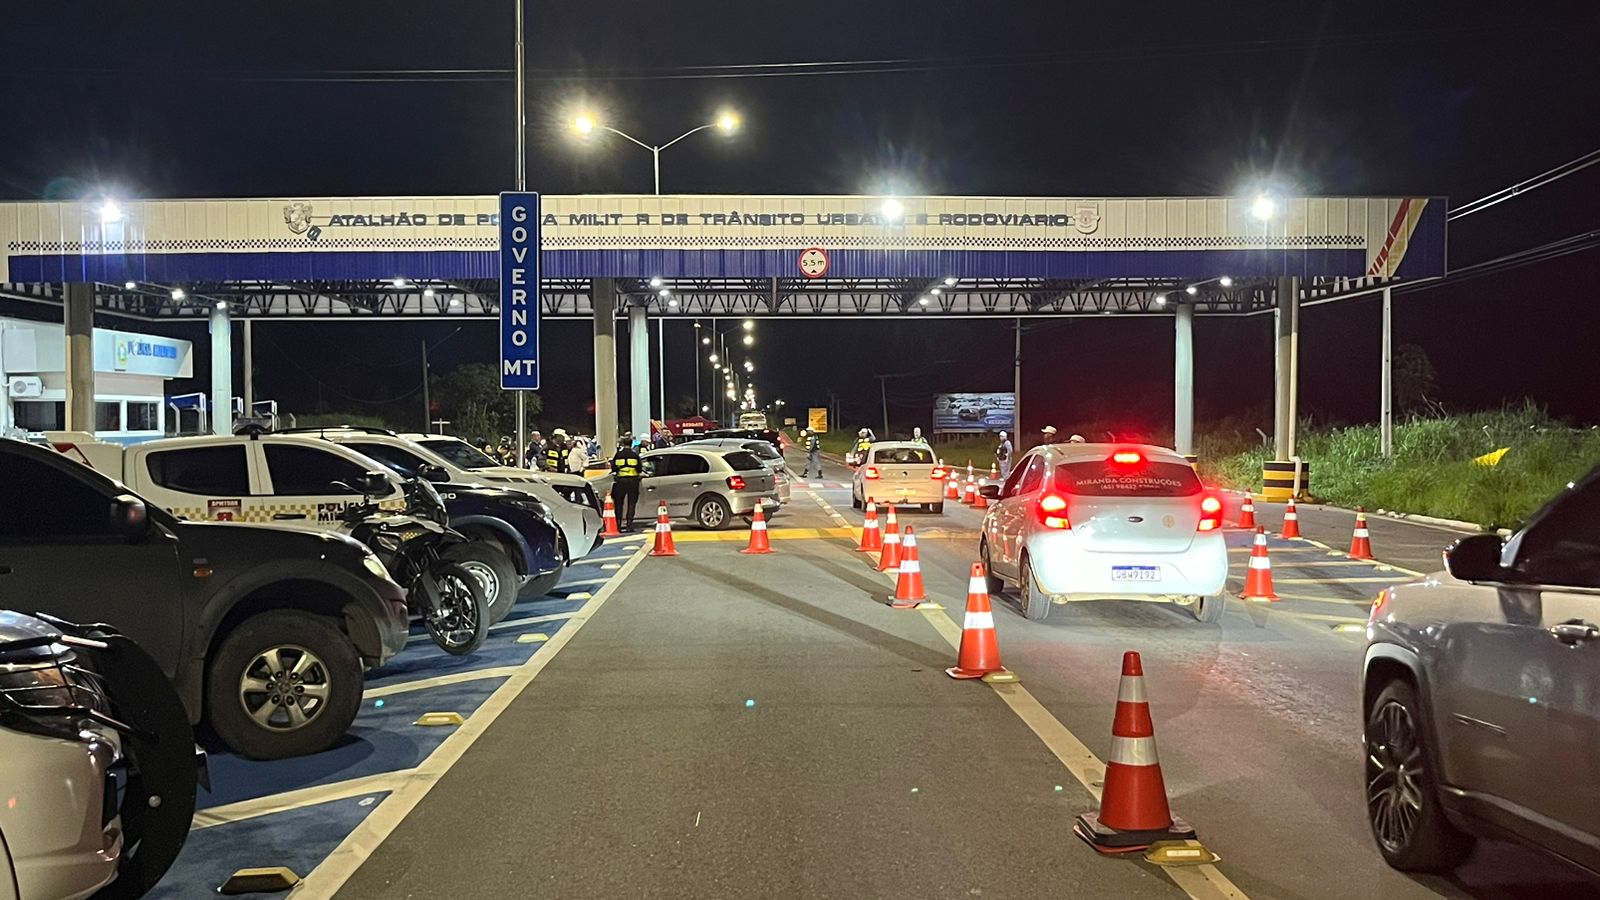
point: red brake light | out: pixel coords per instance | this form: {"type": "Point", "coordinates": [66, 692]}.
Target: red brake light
{"type": "Point", "coordinates": [1049, 507]}
{"type": "Point", "coordinates": [735, 483]}
{"type": "Point", "coordinates": [1210, 513]}
{"type": "Point", "coordinates": [1127, 457]}
{"type": "Point", "coordinates": [871, 472]}
{"type": "Point", "coordinates": [938, 473]}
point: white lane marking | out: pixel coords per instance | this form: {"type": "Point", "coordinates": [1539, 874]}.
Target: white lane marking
{"type": "Point", "coordinates": [611, 567]}
{"type": "Point", "coordinates": [1337, 579]}
{"type": "Point", "coordinates": [308, 796]}
{"type": "Point", "coordinates": [437, 681]}
{"type": "Point", "coordinates": [1336, 552]}
{"type": "Point", "coordinates": [1200, 882]}
{"type": "Point", "coordinates": [331, 874]}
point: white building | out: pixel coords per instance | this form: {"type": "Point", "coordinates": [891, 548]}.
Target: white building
{"type": "Point", "coordinates": [131, 374]}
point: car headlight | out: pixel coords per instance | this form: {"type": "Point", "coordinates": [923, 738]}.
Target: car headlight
{"type": "Point", "coordinates": [375, 566]}
{"type": "Point", "coordinates": [45, 686]}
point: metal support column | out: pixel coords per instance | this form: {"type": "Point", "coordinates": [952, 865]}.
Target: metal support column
{"type": "Point", "coordinates": [1386, 402]}
{"type": "Point", "coordinates": [1016, 387]}
{"type": "Point", "coordinates": [661, 361]}
{"type": "Point", "coordinates": [1183, 380]}
{"type": "Point", "coordinates": [1287, 359]}
{"type": "Point", "coordinates": [604, 296]}
{"type": "Point", "coordinates": [78, 317]}
{"type": "Point", "coordinates": [250, 375]}
{"type": "Point", "coordinates": [639, 371]}
{"type": "Point", "coordinates": [221, 370]}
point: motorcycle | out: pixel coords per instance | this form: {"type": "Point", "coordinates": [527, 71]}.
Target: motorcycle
{"type": "Point", "coordinates": [411, 544]}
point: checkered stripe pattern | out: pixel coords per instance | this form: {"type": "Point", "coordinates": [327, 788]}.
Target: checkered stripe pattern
{"type": "Point", "coordinates": [265, 512]}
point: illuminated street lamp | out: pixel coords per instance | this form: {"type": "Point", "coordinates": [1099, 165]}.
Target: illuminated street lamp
{"type": "Point", "coordinates": [585, 124]}
{"type": "Point", "coordinates": [749, 324]}
{"type": "Point", "coordinates": [749, 339]}
{"type": "Point", "coordinates": [1264, 208]}
{"type": "Point", "coordinates": [713, 358]}
{"type": "Point", "coordinates": [110, 212]}
{"type": "Point", "coordinates": [893, 209]}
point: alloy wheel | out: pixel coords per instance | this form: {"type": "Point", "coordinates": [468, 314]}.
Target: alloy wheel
{"type": "Point", "coordinates": [1395, 768]}
{"type": "Point", "coordinates": [284, 687]}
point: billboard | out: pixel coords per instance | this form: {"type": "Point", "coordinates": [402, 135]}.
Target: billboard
{"type": "Point", "coordinates": [974, 413]}
{"type": "Point", "coordinates": [817, 418]}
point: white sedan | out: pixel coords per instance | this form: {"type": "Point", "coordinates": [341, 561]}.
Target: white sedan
{"type": "Point", "coordinates": [1106, 521]}
{"type": "Point", "coordinates": [903, 472]}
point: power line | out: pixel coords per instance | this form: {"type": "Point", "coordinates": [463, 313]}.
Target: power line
{"type": "Point", "coordinates": [1556, 249]}
{"type": "Point", "coordinates": [1522, 187]}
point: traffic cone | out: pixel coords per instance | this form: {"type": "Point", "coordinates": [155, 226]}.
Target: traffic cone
{"type": "Point", "coordinates": [1247, 513]}
{"type": "Point", "coordinates": [994, 473]}
{"type": "Point", "coordinates": [1291, 522]}
{"type": "Point", "coordinates": [1258, 578]}
{"type": "Point", "coordinates": [609, 517]}
{"type": "Point", "coordinates": [664, 545]}
{"type": "Point", "coordinates": [908, 590]}
{"type": "Point", "coordinates": [969, 490]}
{"type": "Point", "coordinates": [952, 486]}
{"type": "Point", "coordinates": [759, 543]}
{"type": "Point", "coordinates": [979, 656]}
{"type": "Point", "coordinates": [1361, 541]}
{"type": "Point", "coordinates": [871, 535]}
{"type": "Point", "coordinates": [1133, 804]}
{"type": "Point", "coordinates": [889, 558]}
{"type": "Point", "coordinates": [979, 501]}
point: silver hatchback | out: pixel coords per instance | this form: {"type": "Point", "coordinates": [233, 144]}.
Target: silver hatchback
{"type": "Point", "coordinates": [706, 486]}
{"type": "Point", "coordinates": [1481, 695]}
{"type": "Point", "coordinates": [762, 450]}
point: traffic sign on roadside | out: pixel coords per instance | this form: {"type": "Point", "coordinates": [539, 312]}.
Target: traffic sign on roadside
{"type": "Point", "coordinates": [519, 291]}
{"type": "Point", "coordinates": [813, 262]}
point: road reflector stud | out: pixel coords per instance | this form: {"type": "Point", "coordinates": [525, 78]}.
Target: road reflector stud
{"type": "Point", "coordinates": [265, 880]}
{"type": "Point", "coordinates": [580, 595]}
{"type": "Point", "coordinates": [929, 604]}
{"type": "Point", "coordinates": [1179, 853]}
{"type": "Point", "coordinates": [440, 719]}
{"type": "Point", "coordinates": [534, 638]}
{"type": "Point", "coordinates": [1006, 677]}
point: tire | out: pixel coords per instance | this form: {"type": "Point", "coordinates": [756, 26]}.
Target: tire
{"type": "Point", "coordinates": [464, 623]}
{"type": "Point", "coordinates": [1035, 604]}
{"type": "Point", "coordinates": [1209, 609]}
{"type": "Point", "coordinates": [1403, 810]}
{"type": "Point", "coordinates": [540, 585]}
{"type": "Point", "coordinates": [936, 508]}
{"type": "Point", "coordinates": [496, 573]}
{"type": "Point", "coordinates": [993, 583]}
{"type": "Point", "coordinates": [712, 513]}
{"type": "Point", "coordinates": [274, 642]}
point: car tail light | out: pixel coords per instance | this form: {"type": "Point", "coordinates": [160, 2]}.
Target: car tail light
{"type": "Point", "coordinates": [1210, 513]}
{"type": "Point", "coordinates": [1052, 511]}
{"type": "Point", "coordinates": [939, 473]}
{"type": "Point", "coordinates": [870, 472]}
{"type": "Point", "coordinates": [735, 483]}
{"type": "Point", "coordinates": [1127, 457]}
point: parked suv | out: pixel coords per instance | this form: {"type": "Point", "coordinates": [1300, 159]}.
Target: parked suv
{"type": "Point", "coordinates": [263, 629]}
{"type": "Point", "coordinates": [1479, 694]}
{"type": "Point", "coordinates": [707, 487]}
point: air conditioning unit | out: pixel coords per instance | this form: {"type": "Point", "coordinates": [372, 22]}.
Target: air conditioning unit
{"type": "Point", "coordinates": [25, 386]}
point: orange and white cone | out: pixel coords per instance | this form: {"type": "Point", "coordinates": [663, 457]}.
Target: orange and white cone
{"type": "Point", "coordinates": [889, 557]}
{"type": "Point", "coordinates": [952, 486]}
{"type": "Point", "coordinates": [979, 656]}
{"type": "Point", "coordinates": [908, 591]}
{"type": "Point", "coordinates": [759, 542]}
{"type": "Point", "coordinates": [609, 518]}
{"type": "Point", "coordinates": [979, 501]}
{"type": "Point", "coordinates": [1258, 578]}
{"type": "Point", "coordinates": [664, 545]}
{"type": "Point", "coordinates": [1133, 804]}
{"type": "Point", "coordinates": [969, 490]}
{"type": "Point", "coordinates": [1361, 541]}
{"type": "Point", "coordinates": [1247, 513]}
{"type": "Point", "coordinates": [871, 535]}
{"type": "Point", "coordinates": [1291, 522]}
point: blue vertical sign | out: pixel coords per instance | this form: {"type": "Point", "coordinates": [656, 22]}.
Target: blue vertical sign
{"type": "Point", "coordinates": [519, 292]}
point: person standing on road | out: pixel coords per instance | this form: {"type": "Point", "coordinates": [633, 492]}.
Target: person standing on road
{"type": "Point", "coordinates": [534, 452]}
{"type": "Point", "coordinates": [813, 454]}
{"type": "Point", "coordinates": [555, 452]}
{"type": "Point", "coordinates": [917, 438]}
{"type": "Point", "coordinates": [626, 470]}
{"type": "Point", "coordinates": [578, 456]}
{"type": "Point", "coordinates": [1002, 456]}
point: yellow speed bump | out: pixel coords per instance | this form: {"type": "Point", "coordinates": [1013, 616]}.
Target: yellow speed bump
{"type": "Point", "coordinates": [534, 638]}
{"type": "Point", "coordinates": [1179, 853]}
{"type": "Point", "coordinates": [440, 718]}
{"type": "Point", "coordinates": [270, 879]}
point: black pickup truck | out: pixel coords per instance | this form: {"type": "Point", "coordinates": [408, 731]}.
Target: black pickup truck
{"type": "Point", "coordinates": [263, 629]}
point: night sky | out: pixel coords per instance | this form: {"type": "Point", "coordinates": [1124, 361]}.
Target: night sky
{"type": "Point", "coordinates": [1073, 99]}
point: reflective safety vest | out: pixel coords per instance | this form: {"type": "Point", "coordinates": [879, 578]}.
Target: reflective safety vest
{"type": "Point", "coordinates": [626, 464]}
{"type": "Point", "coordinates": [863, 445]}
{"type": "Point", "coordinates": [813, 443]}
{"type": "Point", "coordinates": [555, 458]}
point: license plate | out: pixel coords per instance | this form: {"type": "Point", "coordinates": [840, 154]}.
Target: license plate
{"type": "Point", "coordinates": [1135, 573]}
{"type": "Point", "coordinates": [905, 492]}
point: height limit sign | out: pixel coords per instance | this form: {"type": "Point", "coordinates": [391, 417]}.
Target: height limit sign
{"type": "Point", "coordinates": [519, 292]}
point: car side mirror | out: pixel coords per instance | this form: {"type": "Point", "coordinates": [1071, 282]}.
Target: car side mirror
{"type": "Point", "coordinates": [1475, 558]}
{"type": "Point", "coordinates": [431, 472]}
{"type": "Point", "coordinates": [989, 491]}
{"type": "Point", "coordinates": [129, 518]}
{"type": "Point", "coordinates": [372, 484]}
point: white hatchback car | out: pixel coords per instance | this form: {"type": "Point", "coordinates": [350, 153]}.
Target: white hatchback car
{"type": "Point", "coordinates": [1106, 521]}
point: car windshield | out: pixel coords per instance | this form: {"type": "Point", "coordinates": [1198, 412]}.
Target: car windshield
{"type": "Point", "coordinates": [912, 456]}
{"type": "Point", "coordinates": [460, 453]}
{"type": "Point", "coordinates": [743, 461]}
{"type": "Point", "coordinates": [1106, 478]}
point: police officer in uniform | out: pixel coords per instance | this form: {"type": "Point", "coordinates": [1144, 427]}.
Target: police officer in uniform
{"type": "Point", "coordinates": [626, 470]}
{"type": "Point", "coordinates": [813, 454]}
{"type": "Point", "coordinates": [556, 452]}
{"type": "Point", "coordinates": [1002, 455]}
